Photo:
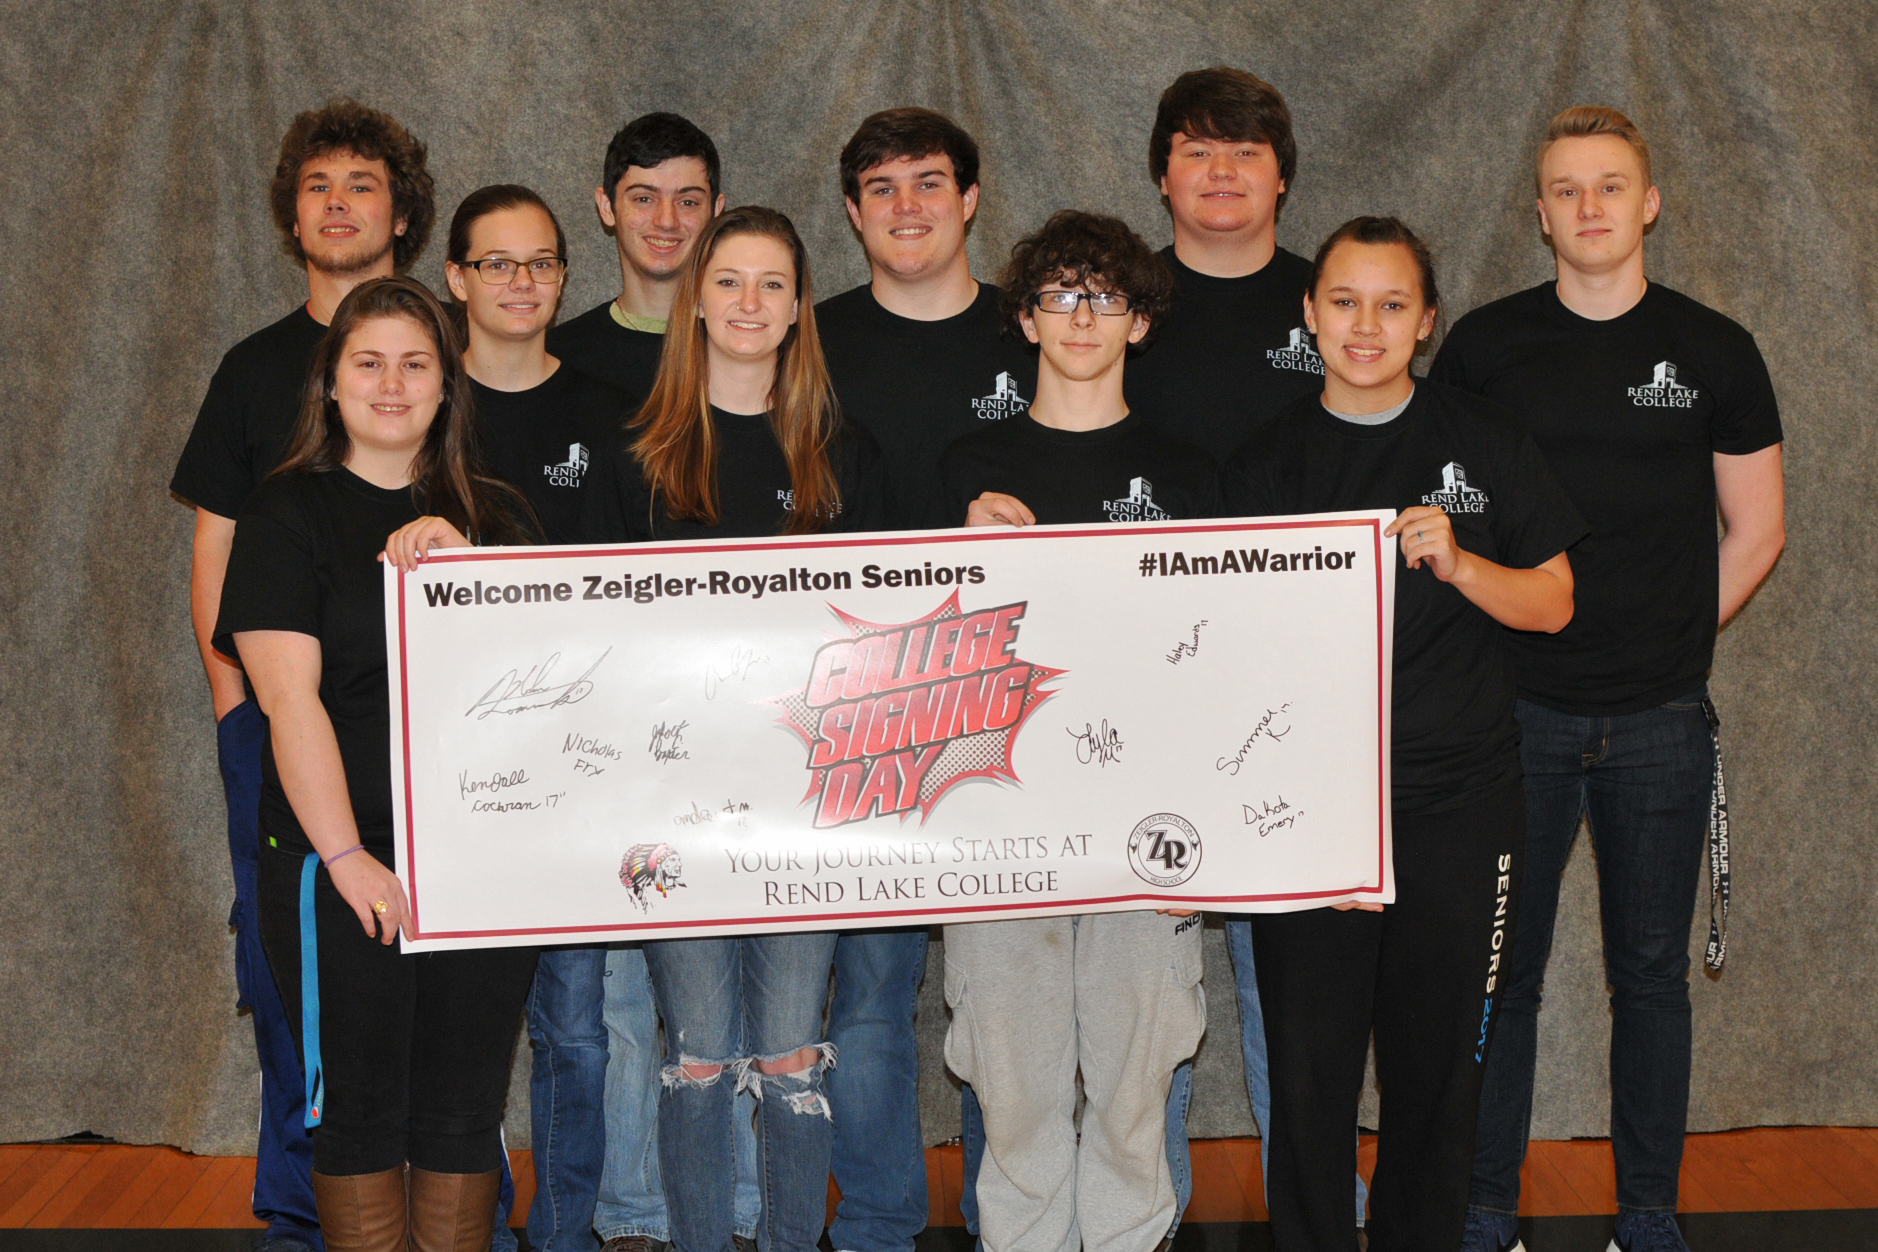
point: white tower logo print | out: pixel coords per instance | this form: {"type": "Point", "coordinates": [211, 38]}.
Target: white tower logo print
{"type": "Point", "coordinates": [1004, 400]}
{"type": "Point", "coordinates": [1456, 494]}
{"type": "Point", "coordinates": [1137, 506]}
{"type": "Point", "coordinates": [568, 473]}
{"type": "Point", "coordinates": [1297, 354]}
{"type": "Point", "coordinates": [1663, 391]}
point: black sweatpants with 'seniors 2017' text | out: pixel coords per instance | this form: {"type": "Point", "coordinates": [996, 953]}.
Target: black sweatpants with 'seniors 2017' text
{"type": "Point", "coordinates": [1424, 974]}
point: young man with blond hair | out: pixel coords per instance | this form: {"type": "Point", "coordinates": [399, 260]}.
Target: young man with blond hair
{"type": "Point", "coordinates": [1654, 411]}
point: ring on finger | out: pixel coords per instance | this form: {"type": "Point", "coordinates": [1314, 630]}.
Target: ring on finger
{"type": "Point", "coordinates": [380, 907]}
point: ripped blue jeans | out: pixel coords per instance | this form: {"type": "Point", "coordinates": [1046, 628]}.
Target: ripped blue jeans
{"type": "Point", "coordinates": [734, 1003]}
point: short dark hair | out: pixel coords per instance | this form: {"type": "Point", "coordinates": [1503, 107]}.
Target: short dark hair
{"type": "Point", "coordinates": [653, 139]}
{"type": "Point", "coordinates": [1081, 249]}
{"type": "Point", "coordinates": [1225, 104]}
{"type": "Point", "coordinates": [894, 134]}
{"type": "Point", "coordinates": [482, 202]}
{"type": "Point", "coordinates": [345, 125]}
{"type": "Point", "coordinates": [1377, 230]}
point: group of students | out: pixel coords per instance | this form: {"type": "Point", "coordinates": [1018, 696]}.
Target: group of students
{"type": "Point", "coordinates": [1556, 477]}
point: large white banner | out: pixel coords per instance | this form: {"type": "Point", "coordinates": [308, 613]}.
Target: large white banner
{"type": "Point", "coordinates": [603, 743]}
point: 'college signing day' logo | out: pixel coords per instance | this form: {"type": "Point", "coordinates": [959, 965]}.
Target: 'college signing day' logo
{"type": "Point", "coordinates": [894, 715]}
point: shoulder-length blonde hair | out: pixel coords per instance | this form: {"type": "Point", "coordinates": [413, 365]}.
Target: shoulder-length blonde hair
{"type": "Point", "coordinates": [447, 478]}
{"type": "Point", "coordinates": [677, 446]}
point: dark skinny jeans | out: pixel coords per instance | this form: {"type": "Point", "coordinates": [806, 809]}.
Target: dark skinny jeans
{"type": "Point", "coordinates": [416, 1048]}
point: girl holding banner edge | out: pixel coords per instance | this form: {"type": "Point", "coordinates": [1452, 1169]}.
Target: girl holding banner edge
{"type": "Point", "coordinates": [1483, 530]}
{"type": "Point", "coordinates": [407, 1056]}
{"type": "Point", "coordinates": [741, 437]}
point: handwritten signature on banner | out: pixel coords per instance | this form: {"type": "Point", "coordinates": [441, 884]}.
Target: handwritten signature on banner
{"type": "Point", "coordinates": [516, 692]}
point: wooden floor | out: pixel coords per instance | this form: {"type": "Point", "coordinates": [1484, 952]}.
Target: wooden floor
{"type": "Point", "coordinates": [1769, 1170]}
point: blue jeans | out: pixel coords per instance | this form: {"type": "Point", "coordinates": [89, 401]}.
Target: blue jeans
{"type": "Point", "coordinates": [1258, 1070]}
{"type": "Point", "coordinates": [1179, 1161]}
{"type": "Point", "coordinates": [283, 1172]}
{"type": "Point", "coordinates": [632, 1199]}
{"type": "Point", "coordinates": [879, 1155]}
{"type": "Point", "coordinates": [729, 1005]}
{"type": "Point", "coordinates": [1643, 780]}
{"type": "Point", "coordinates": [566, 1096]}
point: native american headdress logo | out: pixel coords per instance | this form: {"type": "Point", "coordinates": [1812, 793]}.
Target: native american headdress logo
{"type": "Point", "coordinates": [893, 716]}
{"type": "Point", "coordinates": [653, 866]}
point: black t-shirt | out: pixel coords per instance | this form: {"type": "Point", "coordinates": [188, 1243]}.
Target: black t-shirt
{"type": "Point", "coordinates": [306, 560]}
{"type": "Point", "coordinates": [599, 347]}
{"type": "Point", "coordinates": [1454, 733]}
{"type": "Point", "coordinates": [1629, 413]}
{"type": "Point", "coordinates": [245, 422]}
{"type": "Point", "coordinates": [754, 491]}
{"type": "Point", "coordinates": [542, 440]}
{"type": "Point", "coordinates": [1231, 353]}
{"type": "Point", "coordinates": [917, 386]}
{"type": "Point", "coordinates": [1127, 472]}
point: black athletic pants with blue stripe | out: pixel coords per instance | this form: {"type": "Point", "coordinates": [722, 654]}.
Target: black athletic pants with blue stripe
{"type": "Point", "coordinates": [1424, 974]}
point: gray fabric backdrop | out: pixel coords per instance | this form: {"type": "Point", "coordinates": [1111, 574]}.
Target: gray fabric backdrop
{"type": "Point", "coordinates": [134, 146]}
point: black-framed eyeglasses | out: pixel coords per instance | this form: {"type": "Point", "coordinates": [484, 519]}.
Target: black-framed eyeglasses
{"type": "Point", "coordinates": [1103, 303]}
{"type": "Point", "coordinates": [500, 271]}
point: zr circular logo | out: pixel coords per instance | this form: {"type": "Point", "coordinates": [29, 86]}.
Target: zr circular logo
{"type": "Point", "coordinates": [1164, 850]}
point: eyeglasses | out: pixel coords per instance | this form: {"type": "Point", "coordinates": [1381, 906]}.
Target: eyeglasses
{"type": "Point", "coordinates": [500, 271]}
{"type": "Point", "coordinates": [1106, 303]}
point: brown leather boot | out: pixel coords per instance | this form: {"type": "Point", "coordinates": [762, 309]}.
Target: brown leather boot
{"type": "Point", "coordinates": [453, 1212]}
{"type": "Point", "coordinates": [361, 1212]}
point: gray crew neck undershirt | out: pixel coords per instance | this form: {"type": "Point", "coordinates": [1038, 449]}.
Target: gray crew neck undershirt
{"type": "Point", "coordinates": [1371, 419]}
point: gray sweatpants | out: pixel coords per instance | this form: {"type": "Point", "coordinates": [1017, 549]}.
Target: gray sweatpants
{"type": "Point", "coordinates": [1116, 994]}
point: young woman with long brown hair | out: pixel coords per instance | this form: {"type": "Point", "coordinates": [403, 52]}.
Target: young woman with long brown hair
{"type": "Point", "coordinates": [741, 437]}
{"type": "Point", "coordinates": [407, 1056]}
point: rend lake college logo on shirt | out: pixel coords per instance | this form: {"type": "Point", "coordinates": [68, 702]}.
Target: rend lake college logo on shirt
{"type": "Point", "coordinates": [568, 473]}
{"type": "Point", "coordinates": [1138, 506]}
{"type": "Point", "coordinates": [1297, 354]}
{"type": "Point", "coordinates": [1663, 391]}
{"type": "Point", "coordinates": [1003, 402]}
{"type": "Point", "coordinates": [1456, 495]}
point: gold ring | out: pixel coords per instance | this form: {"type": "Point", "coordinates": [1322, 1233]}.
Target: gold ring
{"type": "Point", "coordinates": [379, 907]}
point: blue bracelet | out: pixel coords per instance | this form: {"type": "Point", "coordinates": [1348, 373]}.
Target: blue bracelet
{"type": "Point", "coordinates": [328, 861]}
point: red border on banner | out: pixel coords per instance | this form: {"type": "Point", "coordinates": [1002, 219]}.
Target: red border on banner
{"type": "Point", "coordinates": [817, 922]}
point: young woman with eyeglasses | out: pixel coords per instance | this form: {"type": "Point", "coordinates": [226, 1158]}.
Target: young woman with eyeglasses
{"type": "Point", "coordinates": [540, 421]}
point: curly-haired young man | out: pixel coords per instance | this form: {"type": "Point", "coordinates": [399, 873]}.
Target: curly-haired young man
{"type": "Point", "coordinates": [353, 200]}
{"type": "Point", "coordinates": [1084, 290]}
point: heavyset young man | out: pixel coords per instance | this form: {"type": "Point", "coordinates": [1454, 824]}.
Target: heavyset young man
{"type": "Point", "coordinates": [1234, 349]}
{"type": "Point", "coordinates": [1233, 352]}
{"type": "Point", "coordinates": [1653, 411]}
{"type": "Point", "coordinates": [918, 357]}
{"type": "Point", "coordinates": [353, 201]}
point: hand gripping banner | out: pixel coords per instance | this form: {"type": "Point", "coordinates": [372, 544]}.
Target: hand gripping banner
{"type": "Point", "coordinates": [602, 743]}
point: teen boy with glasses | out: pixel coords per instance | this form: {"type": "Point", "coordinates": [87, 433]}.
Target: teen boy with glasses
{"type": "Point", "coordinates": [1084, 289]}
